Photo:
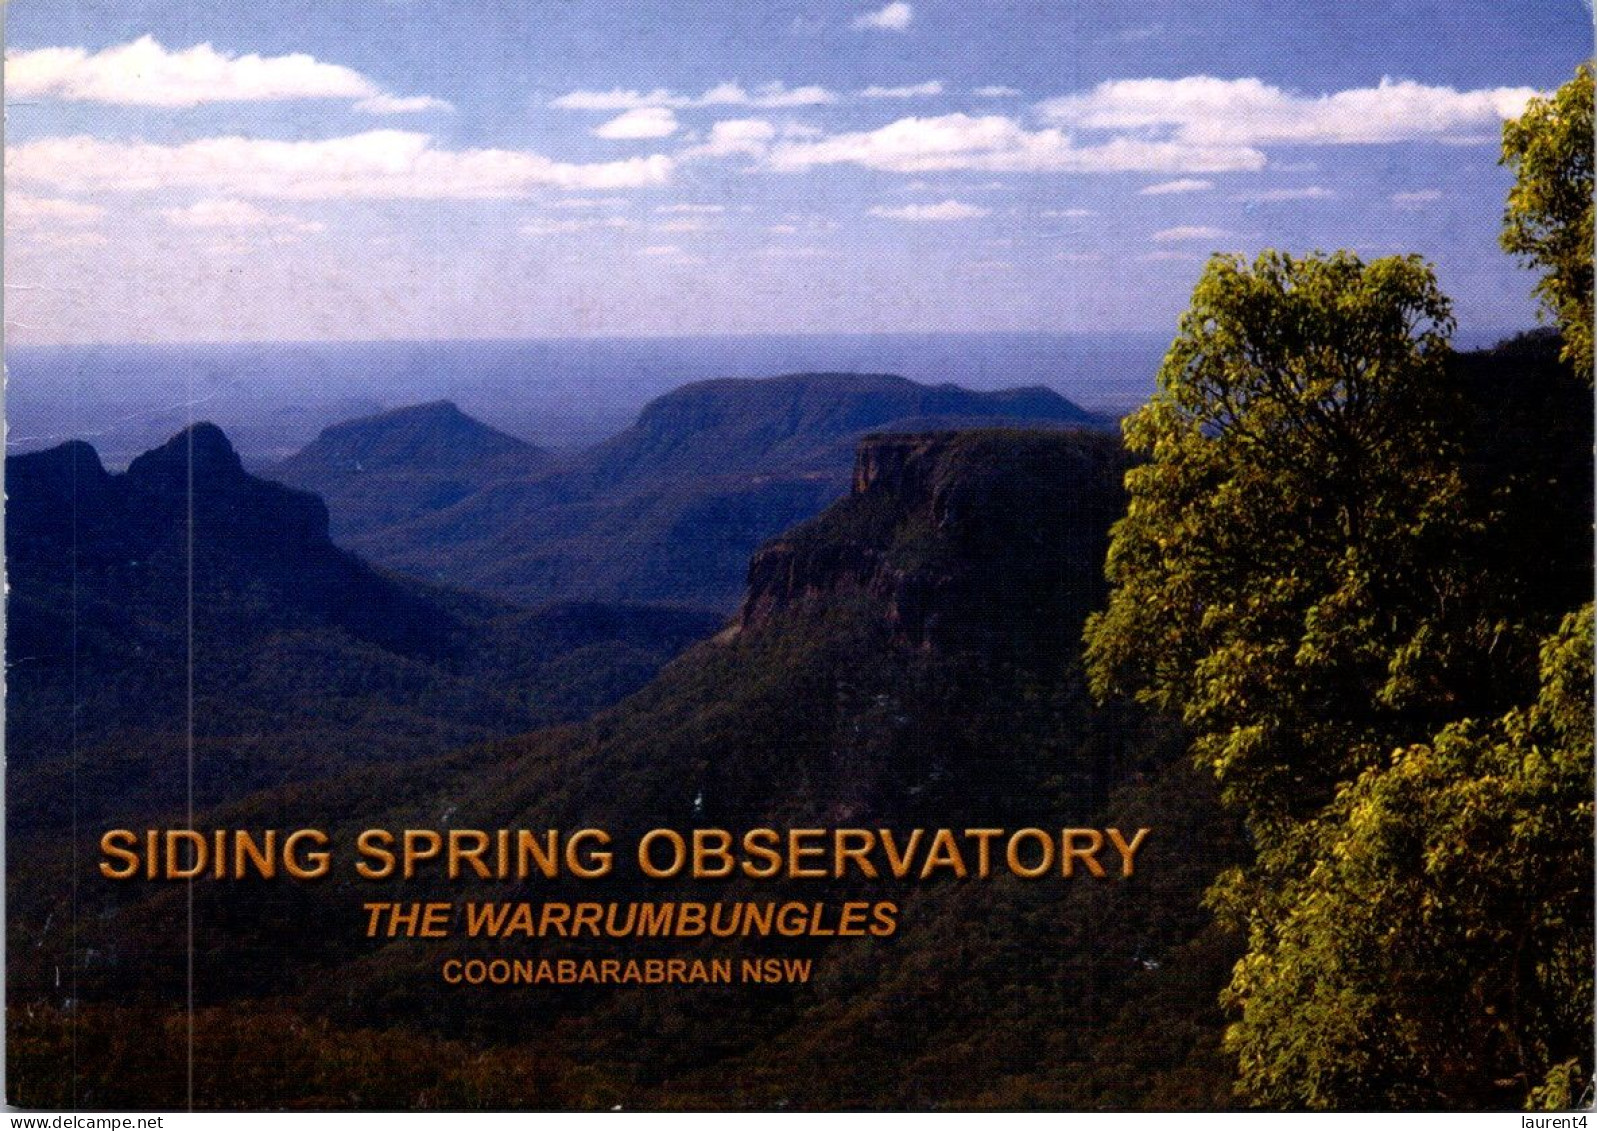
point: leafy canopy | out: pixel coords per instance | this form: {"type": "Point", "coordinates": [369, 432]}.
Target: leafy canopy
{"type": "Point", "coordinates": [1439, 951]}
{"type": "Point", "coordinates": [1305, 575]}
{"type": "Point", "coordinates": [1548, 220]}
{"type": "Point", "coordinates": [1288, 534]}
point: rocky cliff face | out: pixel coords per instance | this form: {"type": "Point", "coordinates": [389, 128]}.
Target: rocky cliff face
{"type": "Point", "coordinates": [987, 540]}
{"type": "Point", "coordinates": [886, 463]}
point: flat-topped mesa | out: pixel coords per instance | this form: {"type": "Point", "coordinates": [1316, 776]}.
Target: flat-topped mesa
{"type": "Point", "coordinates": [985, 539]}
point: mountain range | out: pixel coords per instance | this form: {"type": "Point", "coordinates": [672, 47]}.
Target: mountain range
{"type": "Point", "coordinates": [667, 512]}
{"type": "Point", "coordinates": [906, 658]}
{"type": "Point", "coordinates": [186, 587]}
{"type": "Point", "coordinates": [905, 654]}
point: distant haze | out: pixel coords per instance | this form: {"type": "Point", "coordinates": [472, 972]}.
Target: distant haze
{"type": "Point", "coordinates": [563, 393]}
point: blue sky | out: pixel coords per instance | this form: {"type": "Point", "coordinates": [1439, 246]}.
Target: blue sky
{"type": "Point", "coordinates": [361, 169]}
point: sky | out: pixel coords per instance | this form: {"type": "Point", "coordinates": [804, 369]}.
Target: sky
{"type": "Point", "coordinates": [231, 170]}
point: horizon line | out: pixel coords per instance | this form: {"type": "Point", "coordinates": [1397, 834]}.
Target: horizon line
{"type": "Point", "coordinates": [1498, 333]}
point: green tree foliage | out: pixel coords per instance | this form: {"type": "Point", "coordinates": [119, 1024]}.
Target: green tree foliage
{"type": "Point", "coordinates": [1305, 574]}
{"type": "Point", "coordinates": [1439, 953]}
{"type": "Point", "coordinates": [1289, 536]}
{"type": "Point", "coordinates": [1548, 220]}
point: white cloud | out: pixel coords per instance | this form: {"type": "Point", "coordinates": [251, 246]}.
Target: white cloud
{"type": "Point", "coordinates": [772, 95]}
{"type": "Point", "coordinates": [669, 253]}
{"type": "Point", "coordinates": [999, 144]}
{"type": "Point", "coordinates": [1189, 232]}
{"type": "Point", "coordinates": [1166, 188]}
{"type": "Point", "coordinates": [377, 165]}
{"type": "Point", "coordinates": [995, 92]}
{"type": "Point", "coordinates": [1194, 125]}
{"type": "Point", "coordinates": [1140, 34]}
{"type": "Point", "coordinates": [947, 210]}
{"type": "Point", "coordinates": [618, 99]}
{"type": "Point", "coordinates": [589, 202]}
{"type": "Point", "coordinates": [26, 211]}
{"type": "Point", "coordinates": [393, 104]}
{"type": "Point", "coordinates": [640, 124]}
{"type": "Point", "coordinates": [1200, 110]}
{"type": "Point", "coordinates": [222, 213]}
{"type": "Point", "coordinates": [144, 73]}
{"type": "Point", "coordinates": [1417, 199]}
{"type": "Point", "coordinates": [811, 221]}
{"type": "Point", "coordinates": [894, 17]}
{"type": "Point", "coordinates": [1068, 213]}
{"type": "Point", "coordinates": [918, 90]}
{"type": "Point", "coordinates": [1271, 196]}
{"type": "Point", "coordinates": [572, 226]}
{"type": "Point", "coordinates": [72, 241]}
{"type": "Point", "coordinates": [690, 209]}
{"type": "Point", "coordinates": [683, 224]}
{"type": "Point", "coordinates": [783, 251]}
{"type": "Point", "coordinates": [748, 136]}
{"type": "Point", "coordinates": [1080, 256]}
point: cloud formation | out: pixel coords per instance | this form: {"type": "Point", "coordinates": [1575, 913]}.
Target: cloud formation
{"type": "Point", "coordinates": [1273, 196]}
{"type": "Point", "coordinates": [749, 137]}
{"type": "Point", "coordinates": [377, 165]}
{"type": "Point", "coordinates": [68, 241]}
{"type": "Point", "coordinates": [684, 224]}
{"type": "Point", "coordinates": [769, 96]}
{"type": "Point", "coordinates": [917, 90]}
{"type": "Point", "coordinates": [894, 17]}
{"type": "Point", "coordinates": [144, 73]}
{"type": "Point", "coordinates": [25, 211]}
{"type": "Point", "coordinates": [671, 254]}
{"type": "Point", "coordinates": [223, 213]}
{"type": "Point", "coordinates": [999, 144]}
{"type": "Point", "coordinates": [1168, 188]}
{"type": "Point", "coordinates": [1197, 124]}
{"type": "Point", "coordinates": [569, 227]}
{"type": "Point", "coordinates": [1200, 110]}
{"type": "Point", "coordinates": [1416, 199]}
{"type": "Point", "coordinates": [640, 124]}
{"type": "Point", "coordinates": [1191, 232]}
{"type": "Point", "coordinates": [924, 213]}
